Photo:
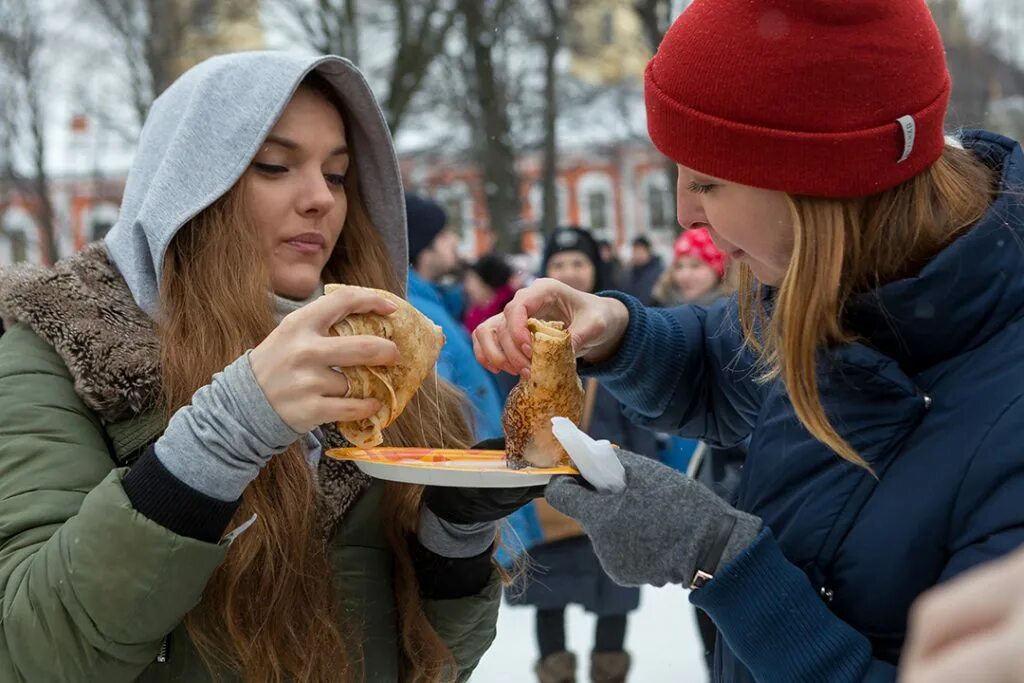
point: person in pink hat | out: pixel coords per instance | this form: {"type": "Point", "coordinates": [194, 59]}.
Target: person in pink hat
{"type": "Point", "coordinates": [873, 355]}
{"type": "Point", "coordinates": [697, 274]}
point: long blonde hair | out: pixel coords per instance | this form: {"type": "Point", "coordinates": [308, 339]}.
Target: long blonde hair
{"type": "Point", "coordinates": [843, 247]}
{"type": "Point", "coordinates": [270, 610]}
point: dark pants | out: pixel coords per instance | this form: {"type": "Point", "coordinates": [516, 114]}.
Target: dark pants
{"type": "Point", "coordinates": [610, 635]}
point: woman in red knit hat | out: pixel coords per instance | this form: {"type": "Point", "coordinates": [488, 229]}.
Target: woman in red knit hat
{"type": "Point", "coordinates": [697, 273]}
{"type": "Point", "coordinates": [874, 355]}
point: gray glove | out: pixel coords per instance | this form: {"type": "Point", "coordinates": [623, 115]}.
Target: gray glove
{"type": "Point", "coordinates": [661, 529]}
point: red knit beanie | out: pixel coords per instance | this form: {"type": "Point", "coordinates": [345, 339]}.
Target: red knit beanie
{"type": "Point", "coordinates": [697, 243]}
{"type": "Point", "coordinates": [829, 98]}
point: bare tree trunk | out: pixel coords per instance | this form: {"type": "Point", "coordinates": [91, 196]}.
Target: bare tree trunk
{"type": "Point", "coordinates": [656, 18]}
{"type": "Point", "coordinates": [352, 19]}
{"type": "Point", "coordinates": [9, 178]}
{"type": "Point", "coordinates": [549, 178]}
{"type": "Point", "coordinates": [652, 15]}
{"type": "Point", "coordinates": [495, 155]}
{"type": "Point", "coordinates": [165, 31]}
{"type": "Point", "coordinates": [41, 180]}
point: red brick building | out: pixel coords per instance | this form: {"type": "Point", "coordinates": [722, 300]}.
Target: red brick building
{"type": "Point", "coordinates": [619, 192]}
{"type": "Point", "coordinates": [84, 210]}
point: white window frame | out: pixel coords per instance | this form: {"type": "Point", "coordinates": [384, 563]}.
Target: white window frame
{"type": "Point", "coordinates": [657, 179]}
{"type": "Point", "coordinates": [597, 182]}
{"type": "Point", "coordinates": [459, 191]}
{"type": "Point", "coordinates": [17, 219]}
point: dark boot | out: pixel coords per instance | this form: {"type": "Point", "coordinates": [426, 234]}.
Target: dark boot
{"type": "Point", "coordinates": [557, 668]}
{"type": "Point", "coordinates": [609, 667]}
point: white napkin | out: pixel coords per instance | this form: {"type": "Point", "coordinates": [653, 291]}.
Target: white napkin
{"type": "Point", "coordinates": [596, 460]}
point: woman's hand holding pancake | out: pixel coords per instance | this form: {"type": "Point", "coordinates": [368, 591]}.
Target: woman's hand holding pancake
{"type": "Point", "coordinates": [293, 365]}
{"type": "Point", "coordinates": [596, 325]}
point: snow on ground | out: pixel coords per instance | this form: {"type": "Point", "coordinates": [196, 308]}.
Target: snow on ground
{"type": "Point", "coordinates": [662, 638]}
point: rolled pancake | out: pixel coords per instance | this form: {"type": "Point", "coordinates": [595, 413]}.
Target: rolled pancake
{"type": "Point", "coordinates": [419, 343]}
{"type": "Point", "coordinates": [552, 390]}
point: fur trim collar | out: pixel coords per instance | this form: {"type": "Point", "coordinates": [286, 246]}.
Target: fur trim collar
{"type": "Point", "coordinates": [83, 308]}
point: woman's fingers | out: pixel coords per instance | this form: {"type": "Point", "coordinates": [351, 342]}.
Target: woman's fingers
{"type": "Point", "coordinates": [504, 342]}
{"type": "Point", "coordinates": [516, 360]}
{"type": "Point", "coordinates": [339, 304]}
{"type": "Point", "coordinates": [347, 409]}
{"type": "Point", "coordinates": [336, 383]}
{"type": "Point", "coordinates": [488, 350]}
{"type": "Point", "coordinates": [517, 313]}
{"type": "Point", "coordinates": [355, 351]}
{"type": "Point", "coordinates": [480, 355]}
{"type": "Point", "coordinates": [987, 658]}
{"type": "Point", "coordinates": [293, 365]}
{"type": "Point", "coordinates": [972, 603]}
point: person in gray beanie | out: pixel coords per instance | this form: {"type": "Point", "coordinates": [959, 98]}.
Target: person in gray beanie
{"type": "Point", "coordinates": [167, 396]}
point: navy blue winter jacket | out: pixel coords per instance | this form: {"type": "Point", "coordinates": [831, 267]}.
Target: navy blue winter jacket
{"type": "Point", "coordinates": [931, 399]}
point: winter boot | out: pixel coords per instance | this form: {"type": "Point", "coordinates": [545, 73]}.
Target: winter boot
{"type": "Point", "coordinates": [609, 667]}
{"type": "Point", "coordinates": [557, 668]}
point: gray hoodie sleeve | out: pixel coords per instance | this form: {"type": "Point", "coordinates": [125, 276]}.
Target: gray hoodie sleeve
{"type": "Point", "coordinates": [218, 444]}
{"type": "Point", "coordinates": [191, 480]}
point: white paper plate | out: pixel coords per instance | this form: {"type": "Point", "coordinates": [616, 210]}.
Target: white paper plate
{"type": "Point", "coordinates": [437, 467]}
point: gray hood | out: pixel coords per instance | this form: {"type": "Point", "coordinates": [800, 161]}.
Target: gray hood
{"type": "Point", "coordinates": [203, 132]}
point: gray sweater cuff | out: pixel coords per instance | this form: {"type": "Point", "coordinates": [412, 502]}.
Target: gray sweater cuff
{"type": "Point", "coordinates": [454, 540]}
{"type": "Point", "coordinates": [218, 444]}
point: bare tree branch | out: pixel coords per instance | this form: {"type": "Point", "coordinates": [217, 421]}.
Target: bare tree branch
{"type": "Point", "coordinates": [326, 26]}
{"type": "Point", "coordinates": [546, 31]}
{"type": "Point", "coordinates": [418, 46]}
{"type": "Point", "coordinates": [152, 39]}
{"type": "Point", "coordinates": [417, 29]}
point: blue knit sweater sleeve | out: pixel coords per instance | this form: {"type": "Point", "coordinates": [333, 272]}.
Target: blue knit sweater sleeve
{"type": "Point", "coordinates": [770, 616]}
{"type": "Point", "coordinates": [684, 370]}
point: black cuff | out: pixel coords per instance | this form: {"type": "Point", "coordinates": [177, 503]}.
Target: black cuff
{"type": "Point", "coordinates": [165, 499]}
{"type": "Point", "coordinates": [448, 578]}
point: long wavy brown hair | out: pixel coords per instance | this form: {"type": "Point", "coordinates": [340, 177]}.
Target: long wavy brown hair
{"type": "Point", "coordinates": [271, 612]}
{"type": "Point", "coordinates": [842, 247]}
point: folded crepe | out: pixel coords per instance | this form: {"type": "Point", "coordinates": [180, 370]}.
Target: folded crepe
{"type": "Point", "coordinates": [553, 390]}
{"type": "Point", "coordinates": [419, 343]}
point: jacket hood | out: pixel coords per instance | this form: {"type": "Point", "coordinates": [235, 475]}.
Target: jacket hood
{"type": "Point", "coordinates": [970, 291]}
{"type": "Point", "coordinates": [203, 132]}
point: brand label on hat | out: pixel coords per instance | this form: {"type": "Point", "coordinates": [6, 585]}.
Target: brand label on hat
{"type": "Point", "coordinates": [909, 133]}
{"type": "Point", "coordinates": [567, 238]}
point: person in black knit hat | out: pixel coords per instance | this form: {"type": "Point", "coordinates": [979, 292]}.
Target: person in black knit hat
{"type": "Point", "coordinates": [433, 247]}
{"type": "Point", "coordinates": [566, 569]}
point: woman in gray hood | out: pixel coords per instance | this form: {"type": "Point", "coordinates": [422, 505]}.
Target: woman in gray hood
{"type": "Point", "coordinates": [160, 525]}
